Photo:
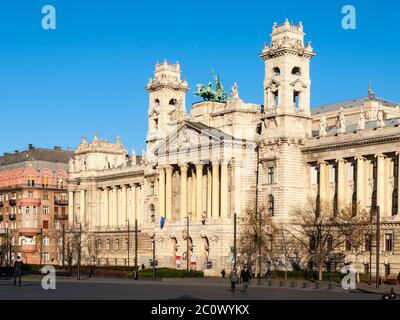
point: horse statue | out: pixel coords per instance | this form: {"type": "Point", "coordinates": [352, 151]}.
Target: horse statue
{"type": "Point", "coordinates": [208, 94]}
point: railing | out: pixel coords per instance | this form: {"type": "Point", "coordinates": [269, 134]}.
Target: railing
{"type": "Point", "coordinates": [12, 202]}
{"type": "Point", "coordinates": [35, 186]}
{"type": "Point", "coordinates": [12, 217]}
{"type": "Point", "coordinates": [61, 216]}
{"type": "Point", "coordinates": [61, 202]}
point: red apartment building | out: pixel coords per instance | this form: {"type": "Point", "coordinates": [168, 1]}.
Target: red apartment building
{"type": "Point", "coordinates": [33, 205]}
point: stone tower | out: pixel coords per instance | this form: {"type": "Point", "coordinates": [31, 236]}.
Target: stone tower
{"type": "Point", "coordinates": [287, 78]}
{"type": "Point", "coordinates": [166, 101]}
{"type": "Point", "coordinates": [287, 119]}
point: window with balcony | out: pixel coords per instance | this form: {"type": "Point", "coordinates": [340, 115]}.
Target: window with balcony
{"type": "Point", "coordinates": [30, 182]}
{"type": "Point", "coordinates": [46, 241]}
{"type": "Point", "coordinates": [45, 182]}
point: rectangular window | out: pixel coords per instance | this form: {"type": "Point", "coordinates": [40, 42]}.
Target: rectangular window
{"type": "Point", "coordinates": [271, 175]}
{"type": "Point", "coordinates": [45, 196]}
{"type": "Point", "coordinates": [30, 194]}
{"type": "Point", "coordinates": [27, 210]}
{"type": "Point", "coordinates": [45, 210]}
{"type": "Point", "coordinates": [389, 242]}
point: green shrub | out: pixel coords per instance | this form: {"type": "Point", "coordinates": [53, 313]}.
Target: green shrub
{"type": "Point", "coordinates": [168, 273]}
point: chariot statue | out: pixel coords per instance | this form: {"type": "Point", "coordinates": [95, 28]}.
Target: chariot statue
{"type": "Point", "coordinates": [209, 94]}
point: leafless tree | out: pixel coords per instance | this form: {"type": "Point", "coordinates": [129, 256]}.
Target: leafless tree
{"type": "Point", "coordinates": [314, 227]}
{"type": "Point", "coordinates": [251, 237]}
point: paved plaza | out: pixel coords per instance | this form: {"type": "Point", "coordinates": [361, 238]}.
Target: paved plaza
{"type": "Point", "coordinates": [109, 289]}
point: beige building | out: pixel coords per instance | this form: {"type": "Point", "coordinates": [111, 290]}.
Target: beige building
{"type": "Point", "coordinates": [202, 165]}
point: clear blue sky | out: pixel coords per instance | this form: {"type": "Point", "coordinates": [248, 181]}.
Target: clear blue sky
{"type": "Point", "coordinates": [89, 74]}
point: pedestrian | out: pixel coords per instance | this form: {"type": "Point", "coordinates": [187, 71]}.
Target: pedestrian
{"type": "Point", "coordinates": [223, 273]}
{"type": "Point", "coordinates": [246, 277]}
{"type": "Point", "coordinates": [18, 271]}
{"type": "Point", "coordinates": [233, 276]}
{"type": "Point", "coordinates": [143, 266]}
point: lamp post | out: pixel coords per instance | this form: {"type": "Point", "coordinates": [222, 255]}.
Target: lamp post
{"type": "Point", "coordinates": [136, 249]}
{"type": "Point", "coordinates": [153, 238]}
{"type": "Point", "coordinates": [79, 252]}
{"type": "Point", "coordinates": [258, 214]}
{"type": "Point", "coordinates": [378, 235]}
{"type": "Point", "coordinates": [378, 245]}
{"type": "Point", "coordinates": [129, 238]}
{"type": "Point", "coordinates": [234, 241]}
{"type": "Point", "coordinates": [187, 244]}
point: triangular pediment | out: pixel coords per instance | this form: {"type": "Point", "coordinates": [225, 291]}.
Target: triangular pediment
{"type": "Point", "coordinates": [191, 136]}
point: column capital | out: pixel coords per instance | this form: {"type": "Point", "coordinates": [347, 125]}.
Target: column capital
{"type": "Point", "coordinates": [168, 168]}
{"type": "Point", "coordinates": [183, 165]}
{"type": "Point", "coordinates": [380, 155]}
{"type": "Point", "coordinates": [216, 162]}
{"type": "Point", "coordinates": [323, 162]}
{"type": "Point", "coordinates": [199, 164]}
{"type": "Point", "coordinates": [360, 158]}
{"type": "Point", "coordinates": [341, 161]}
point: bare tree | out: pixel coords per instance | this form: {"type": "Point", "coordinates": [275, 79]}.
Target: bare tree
{"type": "Point", "coordinates": [315, 229]}
{"type": "Point", "coordinates": [251, 237]}
{"type": "Point", "coordinates": [353, 225]}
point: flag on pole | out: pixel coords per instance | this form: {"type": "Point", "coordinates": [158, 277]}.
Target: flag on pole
{"type": "Point", "coordinates": [162, 222]}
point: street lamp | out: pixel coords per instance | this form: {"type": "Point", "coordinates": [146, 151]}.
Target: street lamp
{"type": "Point", "coordinates": [136, 249]}
{"type": "Point", "coordinates": [378, 235]}
{"type": "Point", "coordinates": [128, 247]}
{"type": "Point", "coordinates": [153, 238]}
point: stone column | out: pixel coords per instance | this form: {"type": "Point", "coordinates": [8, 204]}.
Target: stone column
{"type": "Point", "coordinates": [360, 183]}
{"type": "Point", "coordinates": [183, 192]}
{"type": "Point", "coordinates": [398, 183]}
{"type": "Point", "coordinates": [209, 193]}
{"type": "Point", "coordinates": [99, 208]}
{"type": "Point", "coordinates": [341, 192]}
{"type": "Point", "coordinates": [114, 214]}
{"type": "Point", "coordinates": [323, 182]}
{"type": "Point", "coordinates": [224, 190]}
{"type": "Point", "coordinates": [380, 187]}
{"type": "Point", "coordinates": [82, 205]}
{"type": "Point", "coordinates": [106, 219]}
{"type": "Point", "coordinates": [168, 191]}
{"type": "Point", "coordinates": [161, 191]}
{"type": "Point", "coordinates": [215, 190]}
{"type": "Point", "coordinates": [193, 195]}
{"type": "Point", "coordinates": [71, 208]}
{"type": "Point", "coordinates": [133, 203]}
{"type": "Point", "coordinates": [199, 191]}
{"type": "Point", "coordinates": [124, 207]}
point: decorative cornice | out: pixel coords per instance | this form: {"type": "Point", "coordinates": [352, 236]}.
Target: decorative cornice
{"type": "Point", "coordinates": [351, 144]}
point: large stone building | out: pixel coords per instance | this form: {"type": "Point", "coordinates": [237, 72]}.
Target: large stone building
{"type": "Point", "coordinates": [33, 204]}
{"type": "Point", "coordinates": [202, 165]}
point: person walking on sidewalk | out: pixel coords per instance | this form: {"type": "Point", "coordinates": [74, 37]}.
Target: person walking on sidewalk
{"type": "Point", "coordinates": [246, 277]}
{"type": "Point", "coordinates": [233, 277]}
{"type": "Point", "coordinates": [223, 273]}
{"type": "Point", "coordinates": [18, 271]}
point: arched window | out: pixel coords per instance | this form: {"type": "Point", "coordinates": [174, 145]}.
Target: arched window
{"type": "Point", "coordinates": [156, 102]}
{"type": "Point", "coordinates": [271, 205]}
{"type": "Point", "coordinates": [296, 71]}
{"type": "Point", "coordinates": [277, 71]}
{"type": "Point", "coordinates": [152, 213]}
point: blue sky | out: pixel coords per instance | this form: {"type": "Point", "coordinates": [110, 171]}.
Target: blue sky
{"type": "Point", "coordinates": [89, 74]}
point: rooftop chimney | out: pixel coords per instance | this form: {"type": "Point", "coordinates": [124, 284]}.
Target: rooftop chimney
{"type": "Point", "coordinates": [30, 146]}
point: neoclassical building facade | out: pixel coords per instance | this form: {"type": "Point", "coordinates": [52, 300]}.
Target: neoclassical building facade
{"type": "Point", "coordinates": [205, 165]}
